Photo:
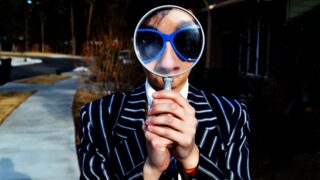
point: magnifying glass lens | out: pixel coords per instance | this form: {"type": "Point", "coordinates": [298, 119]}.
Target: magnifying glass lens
{"type": "Point", "coordinates": [168, 41]}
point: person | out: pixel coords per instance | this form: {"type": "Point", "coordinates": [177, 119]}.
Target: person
{"type": "Point", "coordinates": [151, 133]}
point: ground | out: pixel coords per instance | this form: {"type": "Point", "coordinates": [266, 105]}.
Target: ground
{"type": "Point", "coordinates": [11, 100]}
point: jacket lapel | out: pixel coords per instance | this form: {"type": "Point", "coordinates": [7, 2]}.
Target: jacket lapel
{"type": "Point", "coordinates": [133, 112]}
{"type": "Point", "coordinates": [129, 147]}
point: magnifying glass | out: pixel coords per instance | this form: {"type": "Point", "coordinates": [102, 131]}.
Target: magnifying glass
{"type": "Point", "coordinates": [168, 41]}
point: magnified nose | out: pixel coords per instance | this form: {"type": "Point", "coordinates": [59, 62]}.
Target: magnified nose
{"type": "Point", "coordinates": [168, 62]}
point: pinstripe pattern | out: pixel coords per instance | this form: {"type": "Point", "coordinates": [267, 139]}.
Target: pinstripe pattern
{"type": "Point", "coordinates": [113, 144]}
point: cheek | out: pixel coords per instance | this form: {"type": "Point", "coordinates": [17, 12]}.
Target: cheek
{"type": "Point", "coordinates": [151, 65]}
{"type": "Point", "coordinates": [185, 65]}
{"type": "Point", "coordinates": [155, 81]}
{"type": "Point", "coordinates": [180, 80]}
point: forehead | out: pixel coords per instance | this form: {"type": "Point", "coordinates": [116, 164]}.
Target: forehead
{"type": "Point", "coordinates": [170, 19]}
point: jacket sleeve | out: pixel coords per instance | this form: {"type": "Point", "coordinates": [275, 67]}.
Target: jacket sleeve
{"type": "Point", "coordinates": [93, 151]}
{"type": "Point", "coordinates": [235, 130]}
{"type": "Point", "coordinates": [237, 148]}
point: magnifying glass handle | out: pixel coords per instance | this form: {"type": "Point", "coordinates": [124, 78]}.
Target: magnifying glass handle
{"type": "Point", "coordinates": [167, 83]}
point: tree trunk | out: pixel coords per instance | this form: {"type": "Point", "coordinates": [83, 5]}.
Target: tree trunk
{"type": "Point", "coordinates": [73, 36]}
{"type": "Point", "coordinates": [89, 21]}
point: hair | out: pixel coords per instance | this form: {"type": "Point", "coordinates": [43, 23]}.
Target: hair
{"type": "Point", "coordinates": [159, 13]}
{"type": "Point", "coordinates": [162, 13]}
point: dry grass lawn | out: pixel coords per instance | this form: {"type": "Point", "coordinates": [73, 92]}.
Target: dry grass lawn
{"type": "Point", "coordinates": [10, 100]}
{"type": "Point", "coordinates": [44, 79]}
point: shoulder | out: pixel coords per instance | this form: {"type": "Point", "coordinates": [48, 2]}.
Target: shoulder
{"type": "Point", "coordinates": [111, 101]}
{"type": "Point", "coordinates": [232, 110]}
{"type": "Point", "coordinates": [103, 101]}
{"type": "Point", "coordinates": [228, 104]}
{"type": "Point", "coordinates": [98, 113]}
{"type": "Point", "coordinates": [231, 106]}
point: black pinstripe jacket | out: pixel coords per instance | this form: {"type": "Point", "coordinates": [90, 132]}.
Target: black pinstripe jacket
{"type": "Point", "coordinates": [113, 144]}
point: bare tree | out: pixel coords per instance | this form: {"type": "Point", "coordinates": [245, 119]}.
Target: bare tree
{"type": "Point", "coordinates": [109, 38]}
{"type": "Point", "coordinates": [73, 35]}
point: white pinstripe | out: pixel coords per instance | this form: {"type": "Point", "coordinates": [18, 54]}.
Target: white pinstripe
{"type": "Point", "coordinates": [223, 112]}
{"type": "Point", "coordinates": [207, 172]}
{"type": "Point", "coordinates": [91, 169]}
{"type": "Point", "coordinates": [207, 119]}
{"type": "Point", "coordinates": [103, 130]}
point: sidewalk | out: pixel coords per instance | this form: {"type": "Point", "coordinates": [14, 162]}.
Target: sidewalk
{"type": "Point", "coordinates": [37, 140]}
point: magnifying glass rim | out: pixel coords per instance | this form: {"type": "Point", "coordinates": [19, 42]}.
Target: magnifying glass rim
{"type": "Point", "coordinates": [143, 18]}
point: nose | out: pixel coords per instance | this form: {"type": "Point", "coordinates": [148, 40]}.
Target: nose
{"type": "Point", "coordinates": [169, 61]}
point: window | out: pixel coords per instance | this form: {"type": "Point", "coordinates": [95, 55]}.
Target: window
{"type": "Point", "coordinates": [254, 47]}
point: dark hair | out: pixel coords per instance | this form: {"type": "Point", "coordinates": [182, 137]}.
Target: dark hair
{"type": "Point", "coordinates": [161, 13]}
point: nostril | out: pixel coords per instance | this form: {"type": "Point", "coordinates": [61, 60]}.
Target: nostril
{"type": "Point", "coordinates": [176, 68]}
{"type": "Point", "coordinates": [167, 65]}
{"type": "Point", "coordinates": [164, 70]}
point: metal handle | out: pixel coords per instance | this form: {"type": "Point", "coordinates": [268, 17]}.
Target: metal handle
{"type": "Point", "coordinates": [167, 83]}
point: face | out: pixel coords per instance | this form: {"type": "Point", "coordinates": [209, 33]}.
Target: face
{"type": "Point", "coordinates": [169, 42]}
{"type": "Point", "coordinates": [169, 22]}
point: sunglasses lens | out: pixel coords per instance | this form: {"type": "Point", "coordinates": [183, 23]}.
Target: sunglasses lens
{"type": "Point", "coordinates": [189, 42]}
{"type": "Point", "coordinates": [149, 45]}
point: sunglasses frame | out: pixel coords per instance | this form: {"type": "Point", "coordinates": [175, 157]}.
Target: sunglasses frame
{"type": "Point", "coordinates": [170, 38]}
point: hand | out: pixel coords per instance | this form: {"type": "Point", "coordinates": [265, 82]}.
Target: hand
{"type": "Point", "coordinates": [158, 155]}
{"type": "Point", "coordinates": [173, 118]}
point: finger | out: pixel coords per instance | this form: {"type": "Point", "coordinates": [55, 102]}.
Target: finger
{"type": "Point", "coordinates": [156, 102]}
{"type": "Point", "coordinates": [173, 95]}
{"type": "Point", "coordinates": [165, 120]}
{"type": "Point", "coordinates": [166, 133]}
{"type": "Point", "coordinates": [161, 101]}
{"type": "Point", "coordinates": [156, 140]}
{"type": "Point", "coordinates": [170, 108]}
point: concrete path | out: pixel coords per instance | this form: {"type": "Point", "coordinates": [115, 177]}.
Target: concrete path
{"type": "Point", "coordinates": [37, 139]}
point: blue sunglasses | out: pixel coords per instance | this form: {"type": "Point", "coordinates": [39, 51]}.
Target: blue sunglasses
{"type": "Point", "coordinates": [186, 42]}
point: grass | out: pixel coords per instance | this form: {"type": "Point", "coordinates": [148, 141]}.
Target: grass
{"type": "Point", "coordinates": [44, 79]}
{"type": "Point", "coordinates": [10, 101]}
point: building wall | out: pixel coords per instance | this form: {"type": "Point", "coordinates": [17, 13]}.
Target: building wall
{"type": "Point", "coordinates": [298, 7]}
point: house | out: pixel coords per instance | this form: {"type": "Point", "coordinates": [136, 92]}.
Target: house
{"type": "Point", "coordinates": [266, 53]}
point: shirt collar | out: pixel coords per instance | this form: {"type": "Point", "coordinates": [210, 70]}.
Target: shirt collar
{"type": "Point", "coordinates": [150, 91]}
